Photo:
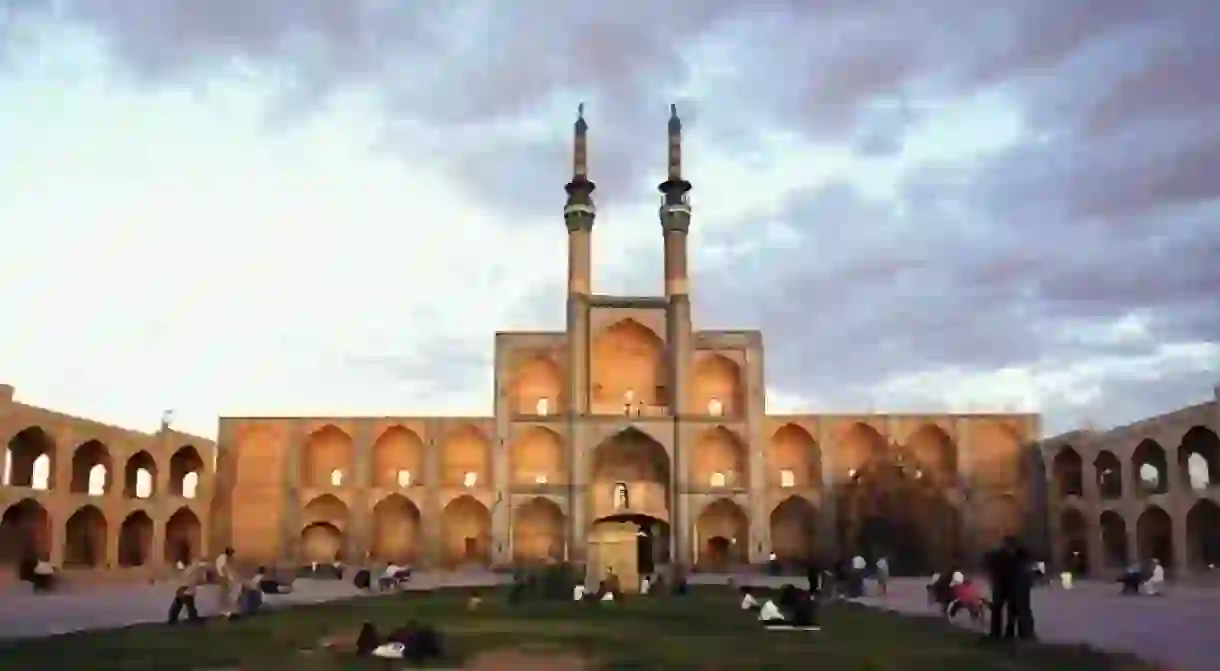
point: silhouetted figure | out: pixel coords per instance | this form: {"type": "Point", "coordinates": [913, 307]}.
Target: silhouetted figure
{"type": "Point", "coordinates": [1008, 569]}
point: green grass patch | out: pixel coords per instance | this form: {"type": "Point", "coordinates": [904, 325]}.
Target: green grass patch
{"type": "Point", "coordinates": [703, 630]}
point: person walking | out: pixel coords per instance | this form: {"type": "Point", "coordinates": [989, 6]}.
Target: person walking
{"type": "Point", "coordinates": [883, 575]}
{"type": "Point", "coordinates": [189, 579]}
{"type": "Point", "coordinates": [224, 582]}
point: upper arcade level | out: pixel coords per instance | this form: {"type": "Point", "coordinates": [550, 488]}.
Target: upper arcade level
{"type": "Point", "coordinates": [629, 362]}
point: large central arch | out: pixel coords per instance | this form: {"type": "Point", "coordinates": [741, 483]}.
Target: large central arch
{"type": "Point", "coordinates": [631, 476]}
{"type": "Point", "coordinates": [627, 368]}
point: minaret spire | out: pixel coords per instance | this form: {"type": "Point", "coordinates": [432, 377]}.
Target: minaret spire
{"type": "Point", "coordinates": [579, 211]}
{"type": "Point", "coordinates": [675, 188]}
{"type": "Point", "coordinates": [580, 189]}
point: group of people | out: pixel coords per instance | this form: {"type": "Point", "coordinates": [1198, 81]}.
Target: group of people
{"type": "Point", "coordinates": [1136, 581]}
{"type": "Point", "coordinates": [234, 596]}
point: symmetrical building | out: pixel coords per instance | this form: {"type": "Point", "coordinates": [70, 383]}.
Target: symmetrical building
{"type": "Point", "coordinates": [629, 413]}
{"type": "Point", "coordinates": [1148, 490]}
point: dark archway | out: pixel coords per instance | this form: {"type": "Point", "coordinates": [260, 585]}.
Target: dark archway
{"type": "Point", "coordinates": [1150, 468]}
{"type": "Point", "coordinates": [135, 539]}
{"type": "Point", "coordinates": [723, 529]}
{"type": "Point", "coordinates": [794, 531]}
{"type": "Point", "coordinates": [31, 455]}
{"type": "Point", "coordinates": [85, 538]}
{"type": "Point", "coordinates": [1109, 475]}
{"type": "Point", "coordinates": [466, 533]}
{"type": "Point", "coordinates": [25, 533]}
{"type": "Point", "coordinates": [1203, 535]}
{"type": "Point", "coordinates": [185, 468]}
{"type": "Point", "coordinates": [92, 470]}
{"type": "Point", "coordinates": [1154, 534]}
{"type": "Point", "coordinates": [1068, 469]}
{"type": "Point", "coordinates": [183, 537]}
{"type": "Point", "coordinates": [140, 476]}
{"type": "Point", "coordinates": [1114, 540]}
{"type": "Point", "coordinates": [1075, 530]}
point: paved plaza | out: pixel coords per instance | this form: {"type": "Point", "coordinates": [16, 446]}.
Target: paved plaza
{"type": "Point", "coordinates": [1177, 630]}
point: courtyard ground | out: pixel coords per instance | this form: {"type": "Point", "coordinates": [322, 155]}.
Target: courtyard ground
{"type": "Point", "coordinates": [702, 630]}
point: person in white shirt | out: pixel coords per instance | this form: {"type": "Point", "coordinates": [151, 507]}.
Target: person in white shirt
{"type": "Point", "coordinates": [957, 579]}
{"type": "Point", "coordinates": [578, 593]}
{"type": "Point", "coordinates": [1155, 582]}
{"type": "Point", "coordinates": [770, 612]}
{"type": "Point", "coordinates": [748, 602]}
{"type": "Point", "coordinates": [883, 575]}
{"type": "Point", "coordinates": [224, 582]}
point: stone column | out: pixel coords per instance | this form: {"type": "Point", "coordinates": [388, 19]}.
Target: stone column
{"type": "Point", "coordinates": [681, 352]}
{"type": "Point", "coordinates": [431, 513]}
{"type": "Point", "coordinates": [359, 517]}
{"type": "Point", "coordinates": [968, 530]}
{"type": "Point", "coordinates": [1090, 506]}
{"type": "Point", "coordinates": [576, 412]}
{"type": "Point", "coordinates": [828, 538]}
{"type": "Point", "coordinates": [290, 518]}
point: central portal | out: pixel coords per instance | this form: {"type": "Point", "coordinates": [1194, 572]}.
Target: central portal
{"type": "Point", "coordinates": [630, 501]}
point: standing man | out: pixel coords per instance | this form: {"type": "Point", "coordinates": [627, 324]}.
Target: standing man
{"type": "Point", "coordinates": [999, 574]}
{"type": "Point", "coordinates": [883, 575]}
{"type": "Point", "coordinates": [224, 582]}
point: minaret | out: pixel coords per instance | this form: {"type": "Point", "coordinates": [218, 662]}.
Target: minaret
{"type": "Point", "coordinates": [578, 213]}
{"type": "Point", "coordinates": [675, 223]}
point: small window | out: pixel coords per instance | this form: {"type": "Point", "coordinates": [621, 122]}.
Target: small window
{"type": "Point", "coordinates": [470, 479]}
{"type": "Point", "coordinates": [336, 478]}
{"type": "Point", "coordinates": [715, 408]}
{"type": "Point", "coordinates": [718, 480]}
{"type": "Point", "coordinates": [540, 479]}
{"type": "Point", "coordinates": [543, 407]}
{"type": "Point", "coordinates": [190, 485]}
{"type": "Point", "coordinates": [404, 478]}
{"type": "Point", "coordinates": [787, 478]}
{"type": "Point", "coordinates": [144, 483]}
{"type": "Point", "coordinates": [621, 501]}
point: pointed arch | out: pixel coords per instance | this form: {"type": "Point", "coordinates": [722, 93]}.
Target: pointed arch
{"type": "Point", "coordinates": [793, 459]}
{"type": "Point", "coordinates": [1154, 534]}
{"type": "Point", "coordinates": [1074, 528]}
{"type": "Point", "coordinates": [934, 454]}
{"type": "Point", "coordinates": [397, 451]}
{"type": "Point", "coordinates": [466, 458]}
{"type": "Point", "coordinates": [183, 537]}
{"type": "Point", "coordinates": [1150, 467]}
{"type": "Point", "coordinates": [326, 450]}
{"type": "Point", "coordinates": [794, 530]}
{"type": "Point", "coordinates": [537, 378]}
{"type": "Point", "coordinates": [719, 460]}
{"type": "Point", "coordinates": [140, 476]}
{"type": "Point", "coordinates": [1114, 540]}
{"type": "Point", "coordinates": [185, 462]}
{"type": "Point", "coordinates": [538, 532]}
{"type": "Point", "coordinates": [326, 508]}
{"type": "Point", "coordinates": [1068, 469]}
{"type": "Point", "coordinates": [636, 462]}
{"type": "Point", "coordinates": [627, 367]}
{"type": "Point", "coordinates": [722, 532]}
{"type": "Point", "coordinates": [396, 530]}
{"type": "Point", "coordinates": [716, 385]}
{"type": "Point", "coordinates": [1199, 458]}
{"type": "Point", "coordinates": [466, 532]}
{"type": "Point", "coordinates": [859, 447]}
{"type": "Point", "coordinates": [91, 469]}
{"type": "Point", "coordinates": [1109, 469]}
{"type": "Point", "coordinates": [86, 538]}
{"type": "Point", "coordinates": [1203, 535]}
{"type": "Point", "coordinates": [30, 456]}
{"type": "Point", "coordinates": [135, 539]}
{"type": "Point", "coordinates": [25, 532]}
{"type": "Point", "coordinates": [536, 457]}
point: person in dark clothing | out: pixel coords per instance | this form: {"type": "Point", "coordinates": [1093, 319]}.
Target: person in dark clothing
{"type": "Point", "coordinates": [814, 575]}
{"type": "Point", "coordinates": [1011, 584]}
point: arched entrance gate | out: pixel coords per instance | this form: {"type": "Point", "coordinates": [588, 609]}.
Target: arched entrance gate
{"type": "Point", "coordinates": [630, 498]}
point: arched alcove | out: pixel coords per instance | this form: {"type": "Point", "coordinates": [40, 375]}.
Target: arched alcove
{"type": "Point", "coordinates": [25, 532]}
{"type": "Point", "coordinates": [1109, 475]}
{"type": "Point", "coordinates": [536, 457]}
{"type": "Point", "coordinates": [466, 533]}
{"type": "Point", "coordinates": [1075, 531]}
{"type": "Point", "coordinates": [466, 458]}
{"type": "Point", "coordinates": [31, 459]}
{"type": "Point", "coordinates": [85, 538]}
{"type": "Point", "coordinates": [934, 454]}
{"type": "Point", "coordinates": [794, 529]}
{"type": "Point", "coordinates": [91, 469]}
{"type": "Point", "coordinates": [716, 386]}
{"type": "Point", "coordinates": [135, 539]}
{"type": "Point", "coordinates": [396, 529]}
{"type": "Point", "coordinates": [537, 378]}
{"type": "Point", "coordinates": [639, 465]}
{"type": "Point", "coordinates": [1068, 469]}
{"type": "Point", "coordinates": [538, 532]}
{"type": "Point", "coordinates": [1114, 540]}
{"type": "Point", "coordinates": [139, 476]}
{"type": "Point", "coordinates": [1199, 458]}
{"type": "Point", "coordinates": [719, 459]}
{"type": "Point", "coordinates": [183, 537]}
{"type": "Point", "coordinates": [1154, 533]}
{"type": "Point", "coordinates": [398, 450]}
{"type": "Point", "coordinates": [858, 447]}
{"type": "Point", "coordinates": [793, 459]}
{"type": "Point", "coordinates": [326, 450]}
{"type": "Point", "coordinates": [627, 368]}
{"type": "Point", "coordinates": [722, 531]}
{"type": "Point", "coordinates": [1203, 535]}
{"type": "Point", "coordinates": [1150, 468]}
{"type": "Point", "coordinates": [184, 469]}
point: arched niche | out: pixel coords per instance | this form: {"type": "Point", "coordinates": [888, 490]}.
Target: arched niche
{"type": "Point", "coordinates": [538, 532]}
{"type": "Point", "coordinates": [536, 457]}
{"type": "Point", "coordinates": [537, 386]}
{"type": "Point", "coordinates": [1074, 528]}
{"type": "Point", "coordinates": [1150, 467]}
{"type": "Point", "coordinates": [25, 533]}
{"type": "Point", "coordinates": [859, 447]}
{"type": "Point", "coordinates": [1000, 459]}
{"type": "Point", "coordinates": [627, 369]}
{"type": "Point", "coordinates": [398, 458]}
{"type": "Point", "coordinates": [31, 459]}
{"type": "Point", "coordinates": [135, 539]}
{"type": "Point", "coordinates": [183, 537]}
{"type": "Point", "coordinates": [86, 536]}
{"type": "Point", "coordinates": [396, 531]}
{"type": "Point", "coordinates": [184, 469]}
{"type": "Point", "coordinates": [934, 454]}
{"type": "Point", "coordinates": [722, 533]}
{"type": "Point", "coordinates": [1114, 540]}
{"type": "Point", "coordinates": [716, 386]}
{"type": "Point", "coordinates": [326, 450]}
{"type": "Point", "coordinates": [719, 460]}
{"type": "Point", "coordinates": [794, 531]}
{"type": "Point", "coordinates": [1203, 535]}
{"type": "Point", "coordinates": [92, 469]}
{"type": "Point", "coordinates": [634, 462]}
{"type": "Point", "coordinates": [794, 459]}
{"type": "Point", "coordinates": [1068, 470]}
{"type": "Point", "coordinates": [466, 458]}
{"type": "Point", "coordinates": [466, 533]}
{"type": "Point", "coordinates": [1154, 536]}
{"type": "Point", "coordinates": [326, 508]}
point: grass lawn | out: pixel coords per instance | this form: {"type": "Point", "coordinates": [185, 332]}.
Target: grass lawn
{"type": "Point", "coordinates": [703, 630]}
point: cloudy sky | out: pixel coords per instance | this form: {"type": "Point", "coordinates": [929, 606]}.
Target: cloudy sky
{"type": "Point", "coordinates": [302, 206]}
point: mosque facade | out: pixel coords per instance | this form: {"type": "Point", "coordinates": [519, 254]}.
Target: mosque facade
{"type": "Point", "coordinates": [630, 413]}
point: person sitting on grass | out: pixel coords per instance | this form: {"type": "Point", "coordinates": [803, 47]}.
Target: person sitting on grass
{"type": "Point", "coordinates": [770, 613]}
{"type": "Point", "coordinates": [748, 602]}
